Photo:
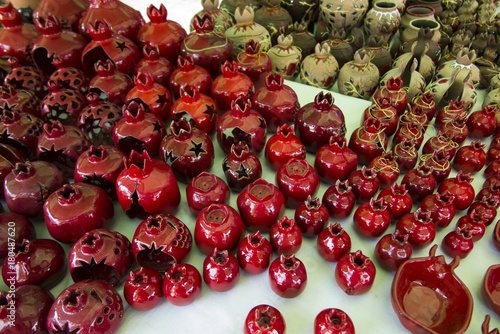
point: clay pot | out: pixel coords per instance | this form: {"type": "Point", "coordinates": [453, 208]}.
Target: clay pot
{"type": "Point", "coordinates": [359, 77]}
{"type": "Point", "coordinates": [303, 38]}
{"type": "Point", "coordinates": [379, 53]}
{"type": "Point", "coordinates": [340, 46]}
{"type": "Point", "coordinates": [301, 10]}
{"type": "Point", "coordinates": [464, 64]}
{"type": "Point", "coordinates": [285, 58]}
{"type": "Point", "coordinates": [274, 18]}
{"type": "Point", "coordinates": [423, 31]}
{"type": "Point", "coordinates": [416, 12]}
{"type": "Point", "coordinates": [435, 4]}
{"type": "Point", "coordinates": [343, 14]}
{"type": "Point", "coordinates": [382, 13]}
{"type": "Point", "coordinates": [320, 69]}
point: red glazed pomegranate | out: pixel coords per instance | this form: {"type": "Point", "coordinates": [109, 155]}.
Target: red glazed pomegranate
{"type": "Point", "coordinates": [456, 129]}
{"type": "Point", "coordinates": [317, 121]}
{"type": "Point", "coordinates": [355, 273]}
{"type": "Point", "coordinates": [254, 254]}
{"type": "Point", "coordinates": [188, 73]}
{"type": "Point", "coordinates": [26, 77]}
{"type": "Point", "coordinates": [285, 236]}
{"type": "Point", "coordinates": [383, 110]}
{"type": "Point", "coordinates": [419, 227]}
{"type": "Point", "coordinates": [260, 205]}
{"type": "Point", "coordinates": [20, 131]}
{"type": "Point", "coordinates": [395, 91]}
{"type": "Point", "coordinates": [386, 168]}
{"type": "Point", "coordinates": [19, 99]}
{"type": "Point", "coordinates": [68, 12]}
{"type": "Point", "coordinates": [283, 146]}
{"type": "Point", "coordinates": [365, 184]}
{"type": "Point", "coordinates": [221, 271]}
{"type": "Point", "coordinates": [392, 250]}
{"type": "Point", "coordinates": [474, 223]}
{"type": "Point", "coordinates": [333, 243]}
{"type": "Point", "coordinates": [339, 199]}
{"type": "Point", "coordinates": [335, 161]}
{"type": "Point", "coordinates": [397, 199]}
{"type": "Point", "coordinates": [160, 241]}
{"type": "Point", "coordinates": [460, 187]}
{"type": "Point", "coordinates": [101, 254]}
{"type": "Point", "coordinates": [61, 104]}
{"type": "Point", "coordinates": [311, 216]}
{"type": "Point", "coordinates": [458, 242]}
{"type": "Point", "coordinates": [406, 154]}
{"type": "Point", "coordinates": [143, 289]}
{"type": "Point", "coordinates": [470, 158]}
{"type": "Point", "coordinates": [110, 84]}
{"type": "Point", "coordinates": [487, 207]}
{"type": "Point", "coordinates": [441, 208]}
{"type": "Point", "coordinates": [371, 219]}
{"type": "Point", "coordinates": [241, 167]}
{"type": "Point", "coordinates": [420, 182]}
{"type": "Point", "coordinates": [483, 123]}
{"type": "Point", "coordinates": [276, 102]}
{"type": "Point", "coordinates": [255, 63]}
{"type": "Point", "coordinates": [298, 181]}
{"type": "Point", "coordinates": [288, 276]}
{"type": "Point", "coordinates": [333, 321]}
{"type": "Point", "coordinates": [440, 143]}
{"type": "Point", "coordinates": [75, 209]}
{"type": "Point", "coordinates": [146, 187]}
{"type": "Point", "coordinates": [205, 189]}
{"type": "Point", "coordinates": [182, 284]}
{"type": "Point", "coordinates": [449, 112]}
{"type": "Point", "coordinates": [264, 319]}
{"type": "Point", "coordinates": [14, 227]}
{"type": "Point", "coordinates": [368, 141]}
{"type": "Point", "coordinates": [160, 68]}
{"type": "Point", "coordinates": [426, 102]}
{"type": "Point", "coordinates": [166, 34]}
{"type": "Point", "coordinates": [98, 300]}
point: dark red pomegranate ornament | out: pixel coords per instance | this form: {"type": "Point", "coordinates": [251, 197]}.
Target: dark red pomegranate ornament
{"type": "Point", "coordinates": [138, 130]}
{"type": "Point", "coordinates": [143, 289]}
{"type": "Point", "coordinates": [486, 207]}
{"type": "Point", "coordinates": [419, 227]}
{"type": "Point", "coordinates": [61, 104]}
{"type": "Point", "coordinates": [283, 146]}
{"type": "Point", "coordinates": [317, 121]}
{"type": "Point", "coordinates": [383, 110]}
{"type": "Point", "coordinates": [276, 102]}
{"type": "Point", "coordinates": [32, 306]}
{"type": "Point", "coordinates": [230, 85]}
{"type": "Point", "coordinates": [62, 145]}
{"type": "Point", "coordinates": [182, 284]}
{"type": "Point", "coordinates": [264, 319]}
{"type": "Point", "coordinates": [368, 141]}
{"type": "Point", "coordinates": [333, 321]}
{"type": "Point", "coordinates": [365, 184]}
{"type": "Point", "coordinates": [20, 131]}
{"type": "Point", "coordinates": [26, 77]}
{"type": "Point", "coordinates": [100, 166]}
{"type": "Point", "coordinates": [470, 158]}
{"type": "Point", "coordinates": [335, 161]}
{"type": "Point", "coordinates": [241, 167]}
{"type": "Point", "coordinates": [66, 45]}
{"type": "Point", "coordinates": [458, 242]}
{"type": "Point", "coordinates": [460, 187]}
{"type": "Point", "coordinates": [420, 182]}
{"type": "Point", "coordinates": [9, 157]}
{"type": "Point", "coordinates": [19, 99]}
{"type": "Point", "coordinates": [241, 124]}
{"type": "Point", "coordinates": [69, 77]}
{"type": "Point", "coordinates": [333, 243]}
{"type": "Point", "coordinates": [448, 113]}
{"type": "Point", "coordinates": [297, 180]}
{"type": "Point", "coordinates": [386, 168]}
{"type": "Point", "coordinates": [39, 262]}
{"type": "Point", "coordinates": [188, 151]}
{"type": "Point", "coordinates": [413, 131]}
{"type": "Point", "coordinates": [188, 73]}
{"type": "Point", "coordinates": [69, 13]}
{"type": "Point", "coordinates": [392, 250]}
{"type": "Point", "coordinates": [160, 68]}
{"type": "Point", "coordinates": [14, 227]}
{"type": "Point", "coordinates": [311, 216]}
{"type": "Point", "coordinates": [395, 91]}
{"type": "Point", "coordinates": [75, 209]}
{"type": "Point", "coordinates": [209, 48]}
{"type": "Point", "coordinates": [16, 37]}
{"type": "Point", "coordinates": [255, 63]}
{"type": "Point", "coordinates": [288, 276]}
{"type": "Point", "coordinates": [339, 199]}
{"type": "Point", "coordinates": [98, 300]}
{"type": "Point", "coordinates": [426, 102]}
{"type": "Point", "coordinates": [441, 208]}
{"type": "Point", "coordinates": [147, 186]}
{"type": "Point", "coordinates": [218, 226]}
{"type": "Point", "coordinates": [221, 271]}
{"type": "Point", "coordinates": [371, 219]}
{"type": "Point", "coordinates": [355, 273]}
{"type": "Point", "coordinates": [440, 143]}
{"type": "Point", "coordinates": [166, 34]}
{"type": "Point", "coordinates": [254, 253]}
{"type": "Point", "coordinates": [474, 222]}
{"type": "Point", "coordinates": [285, 236]}
{"type": "Point", "coordinates": [98, 119]}
{"type": "Point", "coordinates": [198, 107]}
{"type": "Point", "coordinates": [110, 84]}
{"type": "Point", "coordinates": [205, 189]}
{"type": "Point", "coordinates": [406, 154]}
{"type": "Point", "coordinates": [483, 123]}
{"type": "Point", "coordinates": [156, 96]}
{"type": "Point", "coordinates": [397, 199]}
{"type": "Point", "coordinates": [160, 241]}
{"type": "Point", "coordinates": [260, 205]}
{"type": "Point", "coordinates": [101, 254]}
{"type": "Point", "coordinates": [456, 129]}
{"type": "Point", "coordinates": [29, 184]}
{"type": "Point", "coordinates": [441, 166]}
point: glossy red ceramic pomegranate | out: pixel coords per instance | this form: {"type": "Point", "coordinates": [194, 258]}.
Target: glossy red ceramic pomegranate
{"type": "Point", "coordinates": [298, 181]}
{"type": "Point", "coordinates": [355, 273]}
{"type": "Point", "coordinates": [254, 253]}
{"type": "Point", "coordinates": [395, 91]}
{"type": "Point", "coordinates": [109, 83]}
{"type": "Point", "coordinates": [68, 12]}
{"type": "Point", "coordinates": [230, 85]}
{"type": "Point", "coordinates": [335, 161]}
{"type": "Point", "coordinates": [241, 167]}
{"type": "Point", "coordinates": [483, 123]}
{"type": "Point", "coordinates": [61, 104]}
{"type": "Point", "coordinates": [339, 199]}
{"type": "Point", "coordinates": [419, 227]}
{"type": "Point", "coordinates": [397, 199]}
{"type": "Point", "coordinates": [441, 208]}
{"type": "Point", "coordinates": [470, 158]}
{"type": "Point", "coordinates": [365, 184]}
{"type": "Point", "coordinates": [15, 228]}
{"type": "Point", "coordinates": [159, 67]}
{"type": "Point", "coordinates": [221, 271]}
{"type": "Point", "coordinates": [264, 319]}
{"type": "Point", "coordinates": [460, 187]}
{"type": "Point", "coordinates": [287, 276]}
{"type": "Point", "coordinates": [182, 284]}
{"type": "Point", "coordinates": [420, 183]}
{"type": "Point", "coordinates": [254, 62]}
{"type": "Point", "coordinates": [333, 243]}
{"type": "Point", "coordinates": [392, 250]}
{"type": "Point", "coordinates": [333, 321]}
{"type": "Point", "coordinates": [205, 189]}
{"type": "Point", "coordinates": [285, 236]}
{"type": "Point", "coordinates": [368, 141]}
{"type": "Point", "coordinates": [21, 131]}
{"type": "Point", "coordinates": [283, 146]}
{"type": "Point", "coordinates": [143, 289]}
{"type": "Point", "coordinates": [311, 216]}
{"type": "Point", "coordinates": [371, 219]}
{"type": "Point", "coordinates": [188, 73]}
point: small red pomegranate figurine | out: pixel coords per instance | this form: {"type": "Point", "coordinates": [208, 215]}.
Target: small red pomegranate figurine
{"type": "Point", "coordinates": [152, 63]}
{"type": "Point", "coordinates": [68, 12]}
{"type": "Point", "coordinates": [335, 161]}
{"type": "Point", "coordinates": [16, 37]}
{"type": "Point", "coordinates": [167, 35]}
{"type": "Point", "coordinates": [109, 84]}
{"type": "Point", "coordinates": [156, 96]}
{"type": "Point", "coordinates": [241, 167]}
{"type": "Point", "coordinates": [317, 121]}
{"type": "Point", "coordinates": [69, 77]}
{"type": "Point", "coordinates": [26, 77]}
{"type": "Point", "coordinates": [368, 141]}
{"type": "Point", "coordinates": [21, 99]}
{"type": "Point", "coordinates": [209, 48]}
{"type": "Point", "coordinates": [20, 131]}
{"type": "Point", "coordinates": [61, 104]}
{"type": "Point", "coordinates": [255, 63]}
{"type": "Point", "coordinates": [276, 102]}
{"type": "Point", "coordinates": [107, 45]}
{"type": "Point", "coordinates": [241, 124]}
{"type": "Point", "coordinates": [283, 146]}
{"type": "Point", "coordinates": [230, 85]}
{"type": "Point", "coordinates": [188, 73]}
{"type": "Point", "coordinates": [121, 18]}
{"type": "Point", "coordinates": [395, 91]}
{"type": "Point", "coordinates": [188, 151]}
{"type": "Point", "coordinates": [55, 42]}
{"type": "Point", "coordinates": [147, 186]}
{"type": "Point", "coordinates": [383, 110]}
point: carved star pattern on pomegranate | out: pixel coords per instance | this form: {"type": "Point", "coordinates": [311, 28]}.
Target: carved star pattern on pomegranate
{"type": "Point", "coordinates": [15, 82]}
{"type": "Point", "coordinates": [134, 207]}
{"type": "Point", "coordinates": [210, 111]}
{"type": "Point", "coordinates": [7, 107]}
{"type": "Point", "coordinates": [162, 100]}
{"type": "Point", "coordinates": [64, 329]}
{"type": "Point", "coordinates": [121, 45]}
{"type": "Point", "coordinates": [243, 171]}
{"type": "Point", "coordinates": [170, 156]}
{"type": "Point", "coordinates": [237, 134]}
{"type": "Point", "coordinates": [94, 266]}
{"type": "Point", "coordinates": [197, 149]}
{"type": "Point", "coordinates": [157, 126]}
{"type": "Point", "coordinates": [53, 155]}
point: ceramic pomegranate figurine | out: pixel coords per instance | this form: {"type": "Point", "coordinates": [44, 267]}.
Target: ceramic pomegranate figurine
{"type": "Point", "coordinates": [22, 99]}
{"type": "Point", "coordinates": [209, 48]}
{"type": "Point", "coordinates": [283, 146]}
{"type": "Point", "coordinates": [274, 18]}
{"type": "Point", "coordinates": [188, 73]}
{"type": "Point", "coordinates": [68, 46]}
{"type": "Point", "coordinates": [303, 38]}
{"type": "Point", "coordinates": [122, 19]}
{"type": "Point", "coordinates": [189, 151]}
{"type": "Point", "coordinates": [159, 192]}
{"type": "Point", "coordinates": [222, 19]}
{"type": "Point", "coordinates": [276, 102]}
{"type": "Point", "coordinates": [25, 77]}
{"type": "Point", "coordinates": [285, 57]}
{"type": "Point", "coordinates": [342, 15]}
{"type": "Point", "coordinates": [69, 13]}
{"type": "Point", "coordinates": [368, 141]}
{"type": "Point", "coordinates": [61, 104]}
{"type": "Point", "coordinates": [110, 84]}
{"type": "Point", "coordinates": [69, 77]}
{"type": "Point", "coordinates": [241, 124]}
{"type": "Point", "coordinates": [317, 121]}
{"type": "Point", "coordinates": [230, 85]}
{"type": "Point", "coordinates": [319, 69]}
{"type": "Point", "coordinates": [166, 34]}
{"type": "Point", "coordinates": [241, 167]}
{"type": "Point", "coordinates": [395, 91]}
{"type": "Point", "coordinates": [359, 77]}
{"type": "Point", "coordinates": [465, 63]}
{"type": "Point", "coordinates": [152, 63]}
{"type": "Point", "coordinates": [16, 37]}
{"type": "Point", "coordinates": [155, 96]}
{"type": "Point", "coordinates": [246, 29]}
{"type": "Point", "coordinates": [108, 45]}
{"type": "Point", "coordinates": [20, 131]}
{"type": "Point", "coordinates": [255, 63]}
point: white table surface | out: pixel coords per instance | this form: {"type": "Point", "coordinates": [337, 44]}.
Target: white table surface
{"type": "Point", "coordinates": [225, 312]}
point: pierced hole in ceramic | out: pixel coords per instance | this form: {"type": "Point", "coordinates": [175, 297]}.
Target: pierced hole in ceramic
{"type": "Point", "coordinates": [422, 23]}
{"type": "Point", "coordinates": [387, 5]}
{"type": "Point", "coordinates": [420, 10]}
{"type": "Point", "coordinates": [335, 320]}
